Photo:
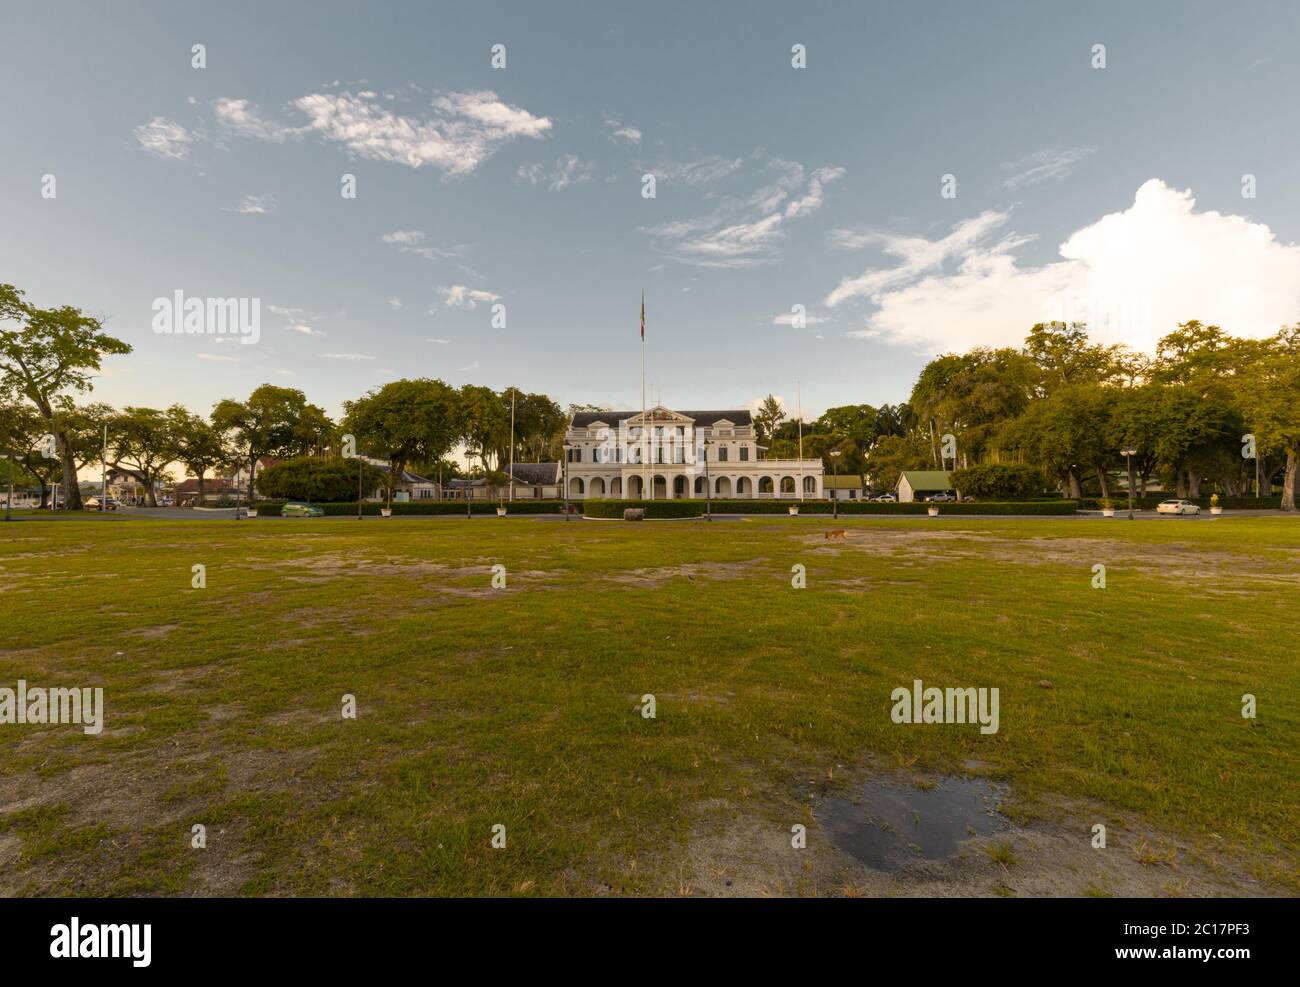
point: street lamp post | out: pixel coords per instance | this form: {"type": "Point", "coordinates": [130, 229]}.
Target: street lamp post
{"type": "Point", "coordinates": [9, 468]}
{"type": "Point", "coordinates": [1128, 455]}
{"type": "Point", "coordinates": [835, 472]}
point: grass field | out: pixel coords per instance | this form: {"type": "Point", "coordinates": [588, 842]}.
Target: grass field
{"type": "Point", "coordinates": [519, 706]}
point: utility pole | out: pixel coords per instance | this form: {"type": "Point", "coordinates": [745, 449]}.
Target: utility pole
{"type": "Point", "coordinates": [1128, 454]}
{"type": "Point", "coordinates": [835, 465]}
{"type": "Point", "coordinates": [708, 486]}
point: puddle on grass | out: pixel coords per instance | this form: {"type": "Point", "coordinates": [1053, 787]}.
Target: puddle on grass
{"type": "Point", "coordinates": [887, 826]}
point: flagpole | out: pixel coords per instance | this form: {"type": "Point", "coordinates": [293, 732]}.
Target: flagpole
{"type": "Point", "coordinates": [512, 446]}
{"type": "Point", "coordinates": [645, 447]}
{"type": "Point", "coordinates": [798, 397]}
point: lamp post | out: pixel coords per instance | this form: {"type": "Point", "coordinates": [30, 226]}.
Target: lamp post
{"type": "Point", "coordinates": [1128, 455]}
{"type": "Point", "coordinates": [835, 468]}
{"type": "Point", "coordinates": [708, 486]}
{"type": "Point", "coordinates": [9, 468]}
{"type": "Point", "coordinates": [564, 487]}
{"type": "Point", "coordinates": [360, 467]}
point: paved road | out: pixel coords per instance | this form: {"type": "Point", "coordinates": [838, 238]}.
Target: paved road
{"type": "Point", "coordinates": [185, 514]}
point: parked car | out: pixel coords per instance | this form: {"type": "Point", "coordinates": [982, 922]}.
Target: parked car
{"type": "Point", "coordinates": [301, 510]}
{"type": "Point", "coordinates": [1177, 507]}
{"type": "Point", "coordinates": [885, 498]}
{"type": "Point", "coordinates": [940, 498]}
{"type": "Point", "coordinates": [92, 504]}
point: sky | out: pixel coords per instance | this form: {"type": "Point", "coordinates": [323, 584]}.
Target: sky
{"type": "Point", "coordinates": [935, 177]}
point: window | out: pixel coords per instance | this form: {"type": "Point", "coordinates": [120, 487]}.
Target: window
{"type": "Point", "coordinates": [722, 454]}
{"type": "Point", "coordinates": [744, 454]}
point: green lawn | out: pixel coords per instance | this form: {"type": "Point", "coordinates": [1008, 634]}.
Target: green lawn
{"type": "Point", "coordinates": [479, 706]}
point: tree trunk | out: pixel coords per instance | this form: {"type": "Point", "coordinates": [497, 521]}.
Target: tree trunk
{"type": "Point", "coordinates": [200, 487]}
{"type": "Point", "coordinates": [1180, 484]}
{"type": "Point", "coordinates": [1288, 483]}
{"type": "Point", "coordinates": [71, 491]}
{"type": "Point", "coordinates": [1193, 484]}
{"type": "Point", "coordinates": [1104, 480]}
{"type": "Point", "coordinates": [150, 491]}
{"type": "Point", "coordinates": [252, 475]}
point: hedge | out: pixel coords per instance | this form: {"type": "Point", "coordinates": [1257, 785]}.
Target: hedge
{"type": "Point", "coordinates": [271, 508]}
{"type": "Point", "coordinates": [1120, 502]}
{"type": "Point", "coordinates": [824, 507]}
{"type": "Point", "coordinates": [684, 508]}
{"type": "Point", "coordinates": [653, 508]}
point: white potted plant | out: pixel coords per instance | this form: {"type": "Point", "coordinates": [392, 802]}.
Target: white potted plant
{"type": "Point", "coordinates": [1214, 504]}
{"type": "Point", "coordinates": [1107, 507]}
{"type": "Point", "coordinates": [794, 510]}
{"type": "Point", "coordinates": [932, 510]}
{"type": "Point", "coordinates": [501, 509]}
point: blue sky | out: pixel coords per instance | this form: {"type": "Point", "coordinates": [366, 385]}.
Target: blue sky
{"type": "Point", "coordinates": [1113, 193]}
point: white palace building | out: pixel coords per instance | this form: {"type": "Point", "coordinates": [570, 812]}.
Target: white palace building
{"type": "Point", "coordinates": [672, 454]}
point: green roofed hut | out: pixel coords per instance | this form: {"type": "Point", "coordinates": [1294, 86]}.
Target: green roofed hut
{"type": "Point", "coordinates": [919, 484]}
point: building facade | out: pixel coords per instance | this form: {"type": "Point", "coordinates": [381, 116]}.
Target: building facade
{"type": "Point", "coordinates": [668, 454]}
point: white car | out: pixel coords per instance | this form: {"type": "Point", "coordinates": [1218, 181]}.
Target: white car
{"type": "Point", "coordinates": [1177, 507]}
{"type": "Point", "coordinates": [885, 498]}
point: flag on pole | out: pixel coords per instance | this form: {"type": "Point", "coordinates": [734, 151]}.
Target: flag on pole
{"type": "Point", "coordinates": [643, 316]}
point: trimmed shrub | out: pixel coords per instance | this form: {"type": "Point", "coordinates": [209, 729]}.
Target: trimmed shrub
{"type": "Point", "coordinates": [652, 508]}
{"type": "Point", "coordinates": [318, 478]}
{"type": "Point", "coordinates": [999, 481]}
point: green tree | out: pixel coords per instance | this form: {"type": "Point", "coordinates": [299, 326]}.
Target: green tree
{"type": "Point", "coordinates": [143, 443]}
{"type": "Point", "coordinates": [406, 421]}
{"type": "Point", "coordinates": [1271, 398]}
{"type": "Point", "coordinates": [325, 479]}
{"type": "Point", "coordinates": [51, 352]}
{"type": "Point", "coordinates": [197, 445]}
{"type": "Point", "coordinates": [274, 421]}
{"type": "Point", "coordinates": [767, 418]}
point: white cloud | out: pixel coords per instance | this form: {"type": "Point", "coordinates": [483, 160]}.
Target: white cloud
{"type": "Point", "coordinates": [165, 138]}
{"type": "Point", "coordinates": [244, 119]}
{"type": "Point", "coordinates": [395, 304]}
{"type": "Point", "coordinates": [463, 130]}
{"type": "Point", "coordinates": [218, 358]}
{"type": "Point", "coordinates": [304, 329]}
{"type": "Point", "coordinates": [459, 296]}
{"type": "Point", "coordinates": [347, 356]}
{"type": "Point", "coordinates": [787, 319]}
{"type": "Point", "coordinates": [917, 254]}
{"type": "Point", "coordinates": [618, 132]}
{"type": "Point", "coordinates": [405, 237]}
{"type": "Point", "coordinates": [705, 171]}
{"type": "Point", "coordinates": [744, 232]}
{"type": "Point", "coordinates": [1042, 166]}
{"type": "Point", "coordinates": [569, 170]}
{"type": "Point", "coordinates": [439, 341]}
{"type": "Point", "coordinates": [1132, 276]}
{"type": "Point", "coordinates": [413, 242]}
{"type": "Point", "coordinates": [472, 366]}
{"type": "Point", "coordinates": [255, 205]}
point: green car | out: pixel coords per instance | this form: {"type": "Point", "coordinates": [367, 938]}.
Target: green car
{"type": "Point", "coordinates": [301, 510]}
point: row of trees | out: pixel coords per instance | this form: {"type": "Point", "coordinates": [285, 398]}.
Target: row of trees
{"type": "Point", "coordinates": [1206, 408]}
{"type": "Point", "coordinates": [1198, 413]}
{"type": "Point", "coordinates": [48, 358]}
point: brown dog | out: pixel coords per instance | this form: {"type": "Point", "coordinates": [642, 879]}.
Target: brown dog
{"type": "Point", "coordinates": [837, 533]}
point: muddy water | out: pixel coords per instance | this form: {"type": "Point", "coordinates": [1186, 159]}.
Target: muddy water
{"type": "Point", "coordinates": [887, 826]}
